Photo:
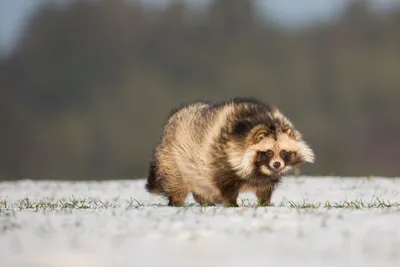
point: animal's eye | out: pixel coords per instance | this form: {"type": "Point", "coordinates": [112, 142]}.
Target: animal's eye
{"type": "Point", "coordinates": [266, 155]}
{"type": "Point", "coordinates": [284, 153]}
{"type": "Point", "coordinates": [269, 153]}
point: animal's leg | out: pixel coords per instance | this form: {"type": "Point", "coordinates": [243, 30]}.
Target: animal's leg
{"type": "Point", "coordinates": [229, 196]}
{"type": "Point", "coordinates": [202, 201]}
{"type": "Point", "coordinates": [177, 197]}
{"type": "Point", "coordinates": [264, 196]}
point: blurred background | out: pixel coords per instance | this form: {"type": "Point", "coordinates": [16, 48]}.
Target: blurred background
{"type": "Point", "coordinates": [85, 86]}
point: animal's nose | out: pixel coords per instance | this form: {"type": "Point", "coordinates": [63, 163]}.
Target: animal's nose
{"type": "Point", "coordinates": [277, 164]}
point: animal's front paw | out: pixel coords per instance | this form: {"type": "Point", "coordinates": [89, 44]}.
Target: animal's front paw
{"type": "Point", "coordinates": [264, 203]}
{"type": "Point", "coordinates": [231, 204]}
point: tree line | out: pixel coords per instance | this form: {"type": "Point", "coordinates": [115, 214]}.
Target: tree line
{"type": "Point", "coordinates": [86, 91]}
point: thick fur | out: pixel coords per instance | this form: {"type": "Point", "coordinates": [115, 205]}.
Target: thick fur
{"type": "Point", "coordinates": [217, 150]}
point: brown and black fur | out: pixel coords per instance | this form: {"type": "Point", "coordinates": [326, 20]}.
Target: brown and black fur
{"type": "Point", "coordinates": [217, 151]}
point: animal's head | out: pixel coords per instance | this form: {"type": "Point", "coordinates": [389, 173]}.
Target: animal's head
{"type": "Point", "coordinates": [272, 148]}
{"type": "Point", "coordinates": [277, 150]}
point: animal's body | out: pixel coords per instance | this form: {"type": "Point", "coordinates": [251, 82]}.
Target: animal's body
{"type": "Point", "coordinates": [217, 150]}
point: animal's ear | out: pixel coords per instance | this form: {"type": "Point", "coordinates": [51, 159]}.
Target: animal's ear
{"type": "Point", "coordinates": [289, 131]}
{"type": "Point", "coordinates": [260, 132]}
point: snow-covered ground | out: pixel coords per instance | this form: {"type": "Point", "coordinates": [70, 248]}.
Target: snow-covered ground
{"type": "Point", "coordinates": [120, 226]}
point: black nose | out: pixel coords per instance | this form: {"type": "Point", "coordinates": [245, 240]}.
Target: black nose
{"type": "Point", "coordinates": [277, 164]}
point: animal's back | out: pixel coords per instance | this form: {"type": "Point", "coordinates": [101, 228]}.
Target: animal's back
{"type": "Point", "coordinates": [183, 151]}
{"type": "Point", "coordinates": [183, 161]}
{"type": "Point", "coordinates": [178, 156]}
{"type": "Point", "coordinates": [187, 124]}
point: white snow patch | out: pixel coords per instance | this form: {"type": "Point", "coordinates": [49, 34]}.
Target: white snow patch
{"type": "Point", "coordinates": [194, 236]}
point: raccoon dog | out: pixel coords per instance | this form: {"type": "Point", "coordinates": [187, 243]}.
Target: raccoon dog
{"type": "Point", "coordinates": [215, 151]}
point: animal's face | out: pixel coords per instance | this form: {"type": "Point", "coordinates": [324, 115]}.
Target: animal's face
{"type": "Point", "coordinates": [275, 156]}
{"type": "Point", "coordinates": [277, 151]}
{"type": "Point", "coordinates": [274, 161]}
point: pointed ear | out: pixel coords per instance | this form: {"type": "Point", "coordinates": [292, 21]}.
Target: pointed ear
{"type": "Point", "coordinates": [259, 132]}
{"type": "Point", "coordinates": [290, 132]}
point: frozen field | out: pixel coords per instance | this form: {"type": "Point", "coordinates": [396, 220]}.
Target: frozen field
{"type": "Point", "coordinates": [314, 222]}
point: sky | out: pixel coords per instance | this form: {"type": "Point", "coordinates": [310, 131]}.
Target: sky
{"type": "Point", "coordinates": [288, 13]}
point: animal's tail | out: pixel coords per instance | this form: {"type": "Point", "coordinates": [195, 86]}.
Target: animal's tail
{"type": "Point", "coordinates": [153, 184]}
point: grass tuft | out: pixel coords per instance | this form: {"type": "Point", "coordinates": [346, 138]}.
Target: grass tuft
{"type": "Point", "coordinates": [92, 204]}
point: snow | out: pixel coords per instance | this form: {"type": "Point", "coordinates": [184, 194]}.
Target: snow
{"type": "Point", "coordinates": [120, 232]}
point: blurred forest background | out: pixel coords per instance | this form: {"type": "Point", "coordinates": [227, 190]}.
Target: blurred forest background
{"type": "Point", "coordinates": [86, 91]}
